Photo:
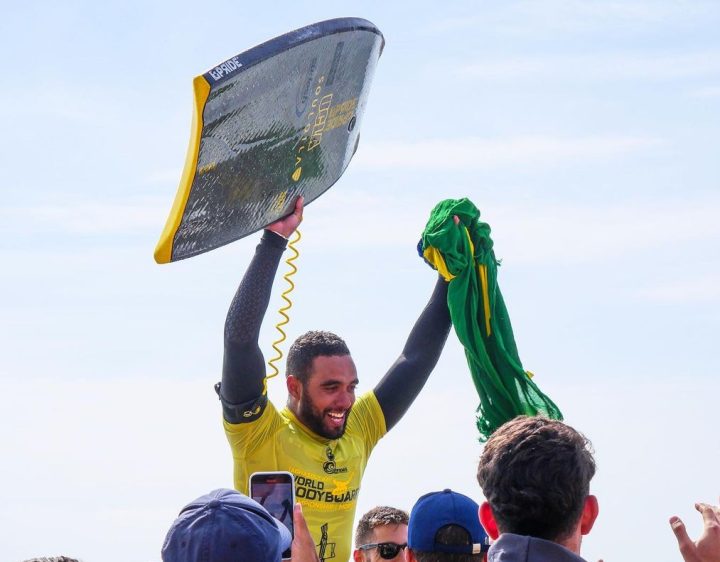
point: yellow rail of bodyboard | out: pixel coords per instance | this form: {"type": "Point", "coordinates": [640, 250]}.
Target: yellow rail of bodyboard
{"type": "Point", "coordinates": [163, 250]}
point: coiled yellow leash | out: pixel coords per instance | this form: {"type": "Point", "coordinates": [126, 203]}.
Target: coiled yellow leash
{"type": "Point", "coordinates": [284, 309]}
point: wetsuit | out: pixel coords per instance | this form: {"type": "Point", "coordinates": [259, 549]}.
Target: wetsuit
{"type": "Point", "coordinates": [327, 471]}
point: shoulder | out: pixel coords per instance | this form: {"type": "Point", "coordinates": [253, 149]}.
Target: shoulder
{"type": "Point", "coordinates": [367, 405]}
{"type": "Point", "coordinates": [367, 418]}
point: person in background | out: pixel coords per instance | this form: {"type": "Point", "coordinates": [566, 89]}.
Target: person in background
{"type": "Point", "coordinates": [444, 527]}
{"type": "Point", "coordinates": [227, 526]}
{"type": "Point", "coordinates": [707, 547]}
{"type": "Point", "coordinates": [381, 534]}
{"type": "Point", "coordinates": [535, 474]}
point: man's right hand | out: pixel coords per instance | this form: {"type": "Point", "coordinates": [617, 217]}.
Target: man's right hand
{"type": "Point", "coordinates": [287, 225]}
{"type": "Point", "coordinates": [707, 547]}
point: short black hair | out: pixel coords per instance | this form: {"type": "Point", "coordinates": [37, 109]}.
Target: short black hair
{"type": "Point", "coordinates": [310, 345]}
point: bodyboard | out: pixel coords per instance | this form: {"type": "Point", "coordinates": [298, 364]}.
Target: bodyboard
{"type": "Point", "coordinates": [270, 124]}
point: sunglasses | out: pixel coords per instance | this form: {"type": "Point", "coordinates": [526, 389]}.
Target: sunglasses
{"type": "Point", "coordinates": [387, 550]}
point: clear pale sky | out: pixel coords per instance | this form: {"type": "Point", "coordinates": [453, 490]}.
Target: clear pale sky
{"type": "Point", "coordinates": [585, 131]}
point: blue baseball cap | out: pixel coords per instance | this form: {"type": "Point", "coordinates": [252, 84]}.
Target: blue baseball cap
{"type": "Point", "coordinates": [436, 510]}
{"type": "Point", "coordinates": [225, 526]}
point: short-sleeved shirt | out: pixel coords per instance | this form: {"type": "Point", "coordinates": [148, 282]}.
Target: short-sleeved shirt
{"type": "Point", "coordinates": [327, 472]}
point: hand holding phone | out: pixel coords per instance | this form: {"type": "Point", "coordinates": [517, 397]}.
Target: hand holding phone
{"type": "Point", "coordinates": [303, 545]}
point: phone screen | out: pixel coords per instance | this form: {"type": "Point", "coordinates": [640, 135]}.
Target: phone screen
{"type": "Point", "coordinates": [275, 491]}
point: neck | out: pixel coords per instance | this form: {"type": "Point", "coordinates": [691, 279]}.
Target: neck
{"type": "Point", "coordinates": [292, 405]}
{"type": "Point", "coordinates": [572, 541]}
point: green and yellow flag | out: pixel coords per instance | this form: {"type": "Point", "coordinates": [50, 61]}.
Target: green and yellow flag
{"type": "Point", "coordinates": [463, 254]}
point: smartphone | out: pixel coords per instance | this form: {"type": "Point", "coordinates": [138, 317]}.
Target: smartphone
{"type": "Point", "coordinates": [275, 491]}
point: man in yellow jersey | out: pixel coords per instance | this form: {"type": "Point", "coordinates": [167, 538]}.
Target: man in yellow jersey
{"type": "Point", "coordinates": [324, 435]}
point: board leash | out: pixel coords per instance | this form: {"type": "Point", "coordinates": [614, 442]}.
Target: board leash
{"type": "Point", "coordinates": [284, 309]}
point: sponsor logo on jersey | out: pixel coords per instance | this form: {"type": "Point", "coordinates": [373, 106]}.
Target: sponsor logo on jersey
{"type": "Point", "coordinates": [329, 466]}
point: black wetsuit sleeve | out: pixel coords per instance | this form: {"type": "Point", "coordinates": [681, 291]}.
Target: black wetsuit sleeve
{"type": "Point", "coordinates": [405, 379]}
{"type": "Point", "coordinates": [241, 389]}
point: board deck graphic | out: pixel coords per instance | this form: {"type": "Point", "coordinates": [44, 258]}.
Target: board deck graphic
{"type": "Point", "coordinates": [272, 123]}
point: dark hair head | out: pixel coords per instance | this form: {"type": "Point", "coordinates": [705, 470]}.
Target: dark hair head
{"type": "Point", "coordinates": [453, 535]}
{"type": "Point", "coordinates": [309, 346]}
{"type": "Point", "coordinates": [378, 517]}
{"type": "Point", "coordinates": [535, 473]}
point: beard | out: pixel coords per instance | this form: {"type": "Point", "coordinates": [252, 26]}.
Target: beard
{"type": "Point", "coordinates": [315, 419]}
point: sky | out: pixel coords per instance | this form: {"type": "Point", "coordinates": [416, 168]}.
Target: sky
{"type": "Point", "coordinates": [585, 132]}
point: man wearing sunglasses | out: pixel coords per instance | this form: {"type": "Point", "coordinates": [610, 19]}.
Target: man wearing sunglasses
{"type": "Point", "coordinates": [381, 534]}
{"type": "Point", "coordinates": [444, 527]}
{"type": "Point", "coordinates": [324, 436]}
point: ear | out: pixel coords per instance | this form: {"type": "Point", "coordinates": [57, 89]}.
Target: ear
{"type": "Point", "coordinates": [357, 555]}
{"type": "Point", "coordinates": [294, 387]}
{"type": "Point", "coordinates": [487, 520]}
{"type": "Point", "coordinates": [590, 511]}
{"type": "Point", "coordinates": [410, 555]}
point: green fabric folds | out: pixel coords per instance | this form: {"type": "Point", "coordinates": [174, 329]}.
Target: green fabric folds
{"type": "Point", "coordinates": [463, 254]}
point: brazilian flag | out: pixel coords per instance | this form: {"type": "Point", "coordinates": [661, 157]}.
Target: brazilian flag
{"type": "Point", "coordinates": [463, 254]}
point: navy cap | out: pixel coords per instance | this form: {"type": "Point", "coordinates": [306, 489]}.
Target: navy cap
{"type": "Point", "coordinates": [225, 526]}
{"type": "Point", "coordinates": [436, 510]}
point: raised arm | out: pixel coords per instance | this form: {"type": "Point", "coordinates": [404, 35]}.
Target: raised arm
{"type": "Point", "coordinates": [405, 379]}
{"type": "Point", "coordinates": [243, 362]}
{"type": "Point", "coordinates": [707, 547]}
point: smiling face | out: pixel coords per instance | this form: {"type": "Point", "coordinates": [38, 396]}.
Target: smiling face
{"type": "Point", "coordinates": [324, 401]}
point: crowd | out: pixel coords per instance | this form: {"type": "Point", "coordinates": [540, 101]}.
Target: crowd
{"type": "Point", "coordinates": [534, 472]}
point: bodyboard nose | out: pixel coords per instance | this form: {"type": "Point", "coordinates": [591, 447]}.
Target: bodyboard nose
{"type": "Point", "coordinates": [270, 124]}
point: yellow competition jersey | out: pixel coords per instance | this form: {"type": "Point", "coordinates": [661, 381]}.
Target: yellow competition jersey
{"type": "Point", "coordinates": [327, 472]}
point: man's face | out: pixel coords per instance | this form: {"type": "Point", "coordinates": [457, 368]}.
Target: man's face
{"type": "Point", "coordinates": [328, 395]}
{"type": "Point", "coordinates": [393, 533]}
